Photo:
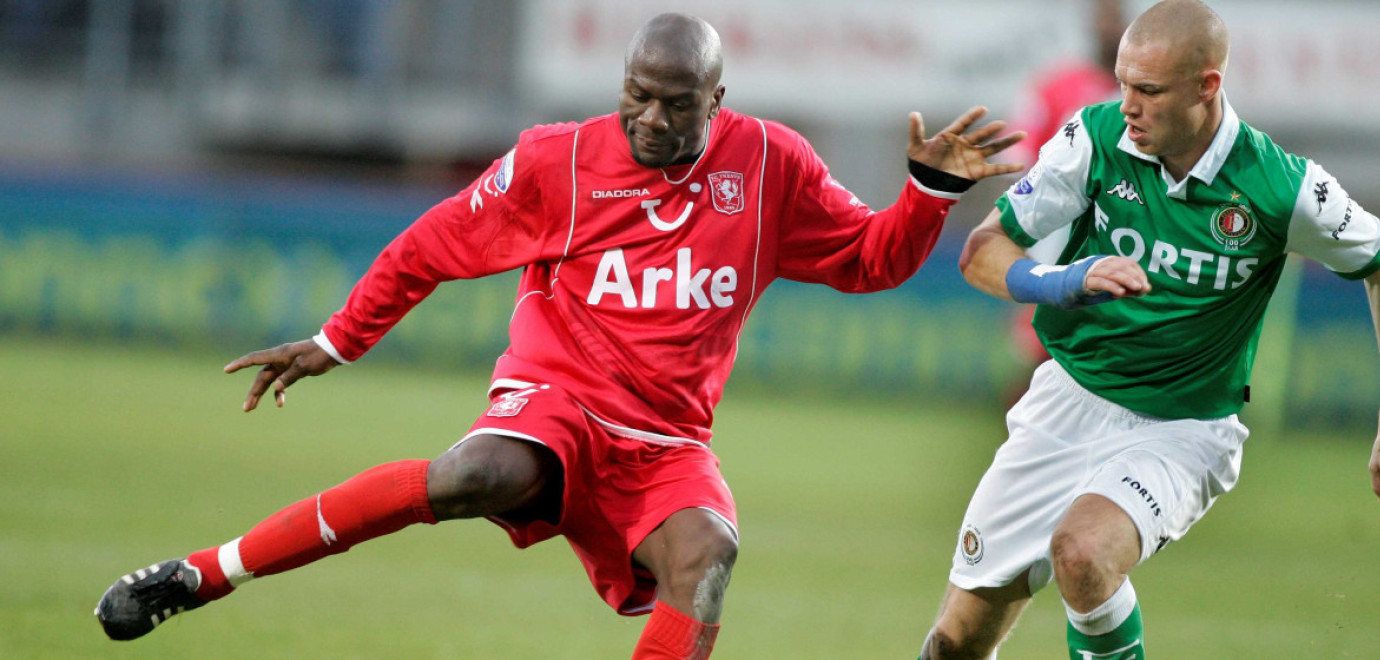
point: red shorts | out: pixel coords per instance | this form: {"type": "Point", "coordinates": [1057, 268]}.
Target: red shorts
{"type": "Point", "coordinates": [620, 485]}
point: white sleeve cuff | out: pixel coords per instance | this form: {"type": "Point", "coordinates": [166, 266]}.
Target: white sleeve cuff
{"type": "Point", "coordinates": [935, 193]}
{"type": "Point", "coordinates": [325, 344]}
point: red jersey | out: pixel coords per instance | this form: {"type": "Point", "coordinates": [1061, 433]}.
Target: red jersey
{"type": "Point", "coordinates": [637, 281]}
{"type": "Point", "coordinates": [1054, 99]}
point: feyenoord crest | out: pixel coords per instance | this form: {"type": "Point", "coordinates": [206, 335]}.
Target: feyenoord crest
{"type": "Point", "coordinates": [726, 188]}
{"type": "Point", "coordinates": [1233, 226]}
{"type": "Point", "coordinates": [507, 407]}
{"type": "Point", "coordinates": [970, 544]}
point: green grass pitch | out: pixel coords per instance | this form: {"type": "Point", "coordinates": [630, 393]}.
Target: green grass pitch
{"type": "Point", "coordinates": [112, 458]}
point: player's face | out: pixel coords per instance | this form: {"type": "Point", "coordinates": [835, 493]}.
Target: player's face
{"type": "Point", "coordinates": [664, 112]}
{"type": "Point", "coordinates": [1161, 101]}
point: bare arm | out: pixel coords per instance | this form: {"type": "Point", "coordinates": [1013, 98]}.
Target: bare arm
{"type": "Point", "coordinates": [987, 256]}
{"type": "Point", "coordinates": [1373, 295]}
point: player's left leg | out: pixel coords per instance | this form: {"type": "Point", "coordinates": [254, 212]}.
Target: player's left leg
{"type": "Point", "coordinates": [378, 501]}
{"type": "Point", "coordinates": [691, 555]}
{"type": "Point", "coordinates": [486, 475]}
{"type": "Point", "coordinates": [1093, 547]}
{"type": "Point", "coordinates": [972, 623]}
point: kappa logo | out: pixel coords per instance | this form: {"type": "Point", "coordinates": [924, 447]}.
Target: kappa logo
{"type": "Point", "coordinates": [726, 189]}
{"type": "Point", "coordinates": [1163, 541]}
{"type": "Point", "coordinates": [1071, 131]}
{"type": "Point", "coordinates": [1320, 192]}
{"type": "Point", "coordinates": [1127, 191]}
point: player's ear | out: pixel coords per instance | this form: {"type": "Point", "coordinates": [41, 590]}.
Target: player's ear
{"type": "Point", "coordinates": [717, 102]}
{"type": "Point", "coordinates": [1209, 85]}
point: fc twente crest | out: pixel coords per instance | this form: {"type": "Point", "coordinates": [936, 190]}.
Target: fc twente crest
{"type": "Point", "coordinates": [726, 188]}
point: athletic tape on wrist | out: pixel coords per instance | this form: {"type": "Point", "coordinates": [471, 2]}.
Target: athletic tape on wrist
{"type": "Point", "coordinates": [1062, 286]}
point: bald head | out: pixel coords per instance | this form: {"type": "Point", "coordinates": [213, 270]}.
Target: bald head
{"type": "Point", "coordinates": [678, 42]}
{"type": "Point", "coordinates": [1189, 29]}
{"type": "Point", "coordinates": [671, 89]}
{"type": "Point", "coordinates": [1170, 66]}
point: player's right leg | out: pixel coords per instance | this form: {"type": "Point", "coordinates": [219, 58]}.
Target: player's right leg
{"type": "Point", "coordinates": [971, 624]}
{"type": "Point", "coordinates": [1093, 548]}
{"type": "Point", "coordinates": [486, 475]}
{"type": "Point", "coordinates": [691, 555]}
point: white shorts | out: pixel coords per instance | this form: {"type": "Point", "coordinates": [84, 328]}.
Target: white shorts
{"type": "Point", "coordinates": [1065, 442]}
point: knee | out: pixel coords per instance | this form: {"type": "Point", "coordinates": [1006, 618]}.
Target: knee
{"type": "Point", "coordinates": [453, 485]}
{"type": "Point", "coordinates": [697, 572]}
{"type": "Point", "coordinates": [709, 557]}
{"type": "Point", "coordinates": [1075, 557]}
{"type": "Point", "coordinates": [483, 476]}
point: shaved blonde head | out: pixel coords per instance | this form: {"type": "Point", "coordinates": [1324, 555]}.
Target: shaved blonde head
{"type": "Point", "coordinates": [1189, 29]}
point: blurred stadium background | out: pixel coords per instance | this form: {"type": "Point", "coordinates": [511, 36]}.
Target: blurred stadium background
{"type": "Point", "coordinates": [182, 181]}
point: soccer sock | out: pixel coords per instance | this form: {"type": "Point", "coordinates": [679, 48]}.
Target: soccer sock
{"type": "Point", "coordinates": [671, 635]}
{"type": "Point", "coordinates": [1112, 630]}
{"type": "Point", "coordinates": [376, 502]}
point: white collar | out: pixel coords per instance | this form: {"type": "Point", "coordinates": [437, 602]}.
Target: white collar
{"type": "Point", "coordinates": [708, 137]}
{"type": "Point", "coordinates": [1208, 165]}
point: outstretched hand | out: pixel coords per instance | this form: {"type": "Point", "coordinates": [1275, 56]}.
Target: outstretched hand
{"type": "Point", "coordinates": [282, 366]}
{"type": "Point", "coordinates": [958, 152]}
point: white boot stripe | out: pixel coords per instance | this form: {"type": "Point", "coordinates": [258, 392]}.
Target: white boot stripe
{"type": "Point", "coordinates": [155, 620]}
{"type": "Point", "coordinates": [129, 579]}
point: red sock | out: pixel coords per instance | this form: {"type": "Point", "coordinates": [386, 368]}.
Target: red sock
{"type": "Point", "coordinates": [671, 635]}
{"type": "Point", "coordinates": [376, 502]}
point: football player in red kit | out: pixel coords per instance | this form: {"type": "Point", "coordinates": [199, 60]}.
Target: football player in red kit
{"type": "Point", "coordinates": [646, 237]}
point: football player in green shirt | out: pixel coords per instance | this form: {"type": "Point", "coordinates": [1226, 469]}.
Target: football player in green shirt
{"type": "Point", "coordinates": [1181, 218]}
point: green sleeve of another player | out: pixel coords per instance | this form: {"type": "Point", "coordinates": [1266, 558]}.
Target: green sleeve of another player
{"type": "Point", "coordinates": [1011, 226]}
